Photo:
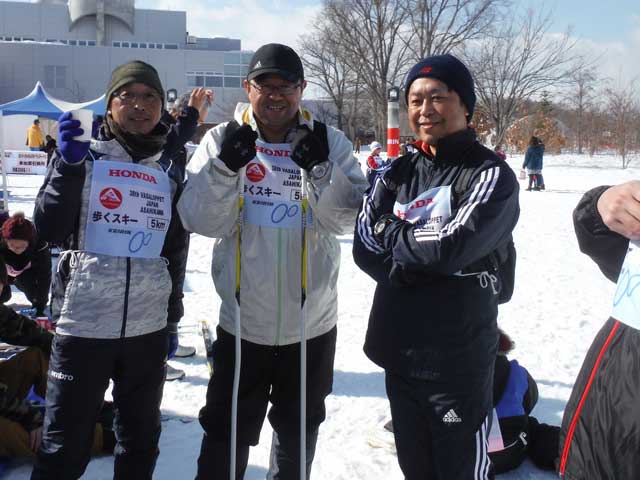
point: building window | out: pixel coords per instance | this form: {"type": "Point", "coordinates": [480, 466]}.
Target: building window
{"type": "Point", "coordinates": [134, 44]}
{"type": "Point", "coordinates": [213, 81]}
{"type": "Point", "coordinates": [232, 82]}
{"type": "Point", "coordinates": [116, 44]}
{"type": "Point", "coordinates": [159, 46]}
{"type": "Point", "coordinates": [152, 45]}
{"type": "Point", "coordinates": [82, 43]}
{"type": "Point", "coordinates": [73, 42]}
{"type": "Point", "coordinates": [55, 76]}
{"type": "Point", "coordinates": [125, 44]}
{"type": "Point", "coordinates": [143, 45]}
{"type": "Point", "coordinates": [91, 43]}
{"type": "Point", "coordinates": [170, 46]}
{"type": "Point", "coordinates": [233, 70]}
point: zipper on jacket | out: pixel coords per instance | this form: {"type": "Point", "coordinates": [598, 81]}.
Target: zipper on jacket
{"type": "Point", "coordinates": [279, 289]}
{"type": "Point", "coordinates": [126, 298]}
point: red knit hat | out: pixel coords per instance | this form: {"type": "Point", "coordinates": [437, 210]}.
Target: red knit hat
{"type": "Point", "coordinates": [18, 228]}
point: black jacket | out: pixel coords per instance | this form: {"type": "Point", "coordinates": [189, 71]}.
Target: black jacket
{"type": "Point", "coordinates": [37, 260]}
{"type": "Point", "coordinates": [435, 305]}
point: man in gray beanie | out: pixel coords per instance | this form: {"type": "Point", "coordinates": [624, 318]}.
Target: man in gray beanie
{"type": "Point", "coordinates": [118, 290]}
{"type": "Point", "coordinates": [434, 231]}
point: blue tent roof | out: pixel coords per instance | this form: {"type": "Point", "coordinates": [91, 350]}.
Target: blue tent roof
{"type": "Point", "coordinates": [40, 103]}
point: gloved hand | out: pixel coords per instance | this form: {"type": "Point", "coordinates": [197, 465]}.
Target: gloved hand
{"type": "Point", "coordinates": [239, 148]}
{"type": "Point", "coordinates": [307, 149]}
{"type": "Point", "coordinates": [72, 150]}
{"type": "Point", "coordinates": [172, 332]}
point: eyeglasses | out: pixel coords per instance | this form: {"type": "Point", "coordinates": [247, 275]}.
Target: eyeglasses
{"type": "Point", "coordinates": [284, 90]}
{"type": "Point", "coordinates": [130, 98]}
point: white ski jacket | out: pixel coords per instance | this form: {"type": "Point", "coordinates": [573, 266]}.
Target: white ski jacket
{"type": "Point", "coordinates": [270, 260]}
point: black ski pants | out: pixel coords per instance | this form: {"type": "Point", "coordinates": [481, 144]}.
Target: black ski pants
{"type": "Point", "coordinates": [79, 373]}
{"type": "Point", "coordinates": [441, 427]}
{"type": "Point", "coordinates": [267, 374]}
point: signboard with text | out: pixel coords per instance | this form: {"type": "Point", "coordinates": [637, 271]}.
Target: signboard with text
{"type": "Point", "coordinates": [25, 162]}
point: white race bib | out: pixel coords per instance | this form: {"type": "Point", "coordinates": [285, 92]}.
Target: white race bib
{"type": "Point", "coordinates": [272, 188]}
{"type": "Point", "coordinates": [129, 210]}
{"type": "Point", "coordinates": [626, 301]}
{"type": "Point", "coordinates": [429, 211]}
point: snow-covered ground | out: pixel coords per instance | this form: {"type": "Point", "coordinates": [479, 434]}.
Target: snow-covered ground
{"type": "Point", "coordinates": [560, 301]}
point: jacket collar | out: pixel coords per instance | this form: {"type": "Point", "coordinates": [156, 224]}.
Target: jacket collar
{"type": "Point", "coordinates": [452, 148]}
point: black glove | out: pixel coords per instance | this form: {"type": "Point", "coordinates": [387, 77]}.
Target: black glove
{"type": "Point", "coordinates": [307, 149]}
{"type": "Point", "coordinates": [239, 148]}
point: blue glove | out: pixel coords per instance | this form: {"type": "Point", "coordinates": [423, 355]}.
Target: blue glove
{"type": "Point", "coordinates": [72, 151]}
{"type": "Point", "coordinates": [172, 332]}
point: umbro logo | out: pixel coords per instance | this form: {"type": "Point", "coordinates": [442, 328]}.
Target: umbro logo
{"type": "Point", "coordinates": [451, 417]}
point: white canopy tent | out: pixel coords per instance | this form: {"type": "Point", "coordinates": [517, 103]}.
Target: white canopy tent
{"type": "Point", "coordinates": [42, 104]}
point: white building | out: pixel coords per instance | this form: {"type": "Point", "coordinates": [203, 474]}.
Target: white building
{"type": "Point", "coordinates": [72, 47]}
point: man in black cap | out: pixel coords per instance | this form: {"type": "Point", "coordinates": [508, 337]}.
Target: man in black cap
{"type": "Point", "coordinates": [435, 233]}
{"type": "Point", "coordinates": [118, 287]}
{"type": "Point", "coordinates": [271, 147]}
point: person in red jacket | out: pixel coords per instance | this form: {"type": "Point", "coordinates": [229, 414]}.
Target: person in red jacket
{"type": "Point", "coordinates": [374, 161]}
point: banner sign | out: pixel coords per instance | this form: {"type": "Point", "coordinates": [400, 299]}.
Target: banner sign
{"type": "Point", "coordinates": [25, 162]}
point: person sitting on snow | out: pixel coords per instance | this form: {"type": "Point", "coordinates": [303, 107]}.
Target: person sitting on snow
{"type": "Point", "coordinates": [515, 393]}
{"type": "Point", "coordinates": [20, 370]}
{"type": "Point", "coordinates": [28, 262]}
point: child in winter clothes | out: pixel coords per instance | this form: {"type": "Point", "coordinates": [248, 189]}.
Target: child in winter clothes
{"type": "Point", "coordinates": [28, 262]}
{"type": "Point", "coordinates": [515, 393]}
{"type": "Point", "coordinates": [374, 161]}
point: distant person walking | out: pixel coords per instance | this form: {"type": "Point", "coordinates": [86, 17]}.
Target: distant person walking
{"type": "Point", "coordinates": [357, 145]}
{"type": "Point", "coordinates": [533, 164]}
{"type": "Point", "coordinates": [35, 140]}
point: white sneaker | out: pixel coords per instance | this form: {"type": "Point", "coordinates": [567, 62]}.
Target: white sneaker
{"type": "Point", "coordinates": [183, 351]}
{"type": "Point", "coordinates": [174, 373]}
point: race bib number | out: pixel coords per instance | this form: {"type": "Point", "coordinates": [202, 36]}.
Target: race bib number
{"type": "Point", "coordinates": [129, 210]}
{"type": "Point", "coordinates": [273, 188]}
{"type": "Point", "coordinates": [429, 211]}
{"type": "Point", "coordinates": [626, 301]}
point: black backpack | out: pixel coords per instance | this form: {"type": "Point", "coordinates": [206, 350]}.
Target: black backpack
{"type": "Point", "coordinates": [502, 260]}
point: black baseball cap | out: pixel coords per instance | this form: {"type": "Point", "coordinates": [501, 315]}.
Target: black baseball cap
{"type": "Point", "coordinates": [277, 59]}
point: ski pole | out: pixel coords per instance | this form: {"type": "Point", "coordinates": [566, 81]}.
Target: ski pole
{"type": "Point", "coordinates": [303, 332]}
{"type": "Point", "coordinates": [238, 333]}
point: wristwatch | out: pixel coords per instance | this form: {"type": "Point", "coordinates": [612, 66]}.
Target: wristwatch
{"type": "Point", "coordinates": [380, 226]}
{"type": "Point", "coordinates": [319, 170]}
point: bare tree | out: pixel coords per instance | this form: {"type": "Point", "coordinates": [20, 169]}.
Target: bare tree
{"type": "Point", "coordinates": [516, 64]}
{"type": "Point", "coordinates": [583, 83]}
{"type": "Point", "coordinates": [441, 26]}
{"type": "Point", "coordinates": [369, 37]}
{"type": "Point", "coordinates": [623, 109]}
{"type": "Point", "coordinates": [326, 66]}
